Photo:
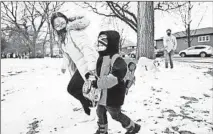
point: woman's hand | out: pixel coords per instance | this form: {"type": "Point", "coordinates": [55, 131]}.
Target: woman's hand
{"type": "Point", "coordinates": [75, 18]}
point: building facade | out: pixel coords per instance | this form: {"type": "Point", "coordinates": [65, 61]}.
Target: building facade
{"type": "Point", "coordinates": [203, 36]}
{"type": "Point", "coordinates": [128, 47]}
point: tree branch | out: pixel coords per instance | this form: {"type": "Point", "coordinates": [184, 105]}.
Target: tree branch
{"type": "Point", "coordinates": [123, 18]}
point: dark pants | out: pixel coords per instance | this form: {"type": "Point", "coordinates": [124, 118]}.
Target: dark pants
{"type": "Point", "coordinates": [116, 114]}
{"type": "Point", "coordinates": [168, 58]}
{"type": "Point", "coordinates": [75, 89]}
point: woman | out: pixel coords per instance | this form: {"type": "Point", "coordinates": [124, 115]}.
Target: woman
{"type": "Point", "coordinates": [77, 53]}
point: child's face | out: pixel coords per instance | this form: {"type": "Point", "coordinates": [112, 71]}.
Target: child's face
{"type": "Point", "coordinates": [59, 23]}
{"type": "Point", "coordinates": [102, 43]}
{"type": "Point", "coordinates": [132, 67]}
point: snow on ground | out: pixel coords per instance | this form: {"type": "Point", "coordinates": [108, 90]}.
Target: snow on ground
{"type": "Point", "coordinates": [34, 99]}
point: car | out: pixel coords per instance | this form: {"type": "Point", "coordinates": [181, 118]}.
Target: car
{"type": "Point", "coordinates": [132, 54]}
{"type": "Point", "coordinates": [122, 54]}
{"type": "Point", "coordinates": [199, 50]}
{"type": "Point", "coordinates": [159, 52]}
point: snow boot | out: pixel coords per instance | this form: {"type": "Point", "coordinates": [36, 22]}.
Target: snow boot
{"type": "Point", "coordinates": [133, 129]}
{"type": "Point", "coordinates": [102, 129]}
{"type": "Point", "coordinates": [171, 64]}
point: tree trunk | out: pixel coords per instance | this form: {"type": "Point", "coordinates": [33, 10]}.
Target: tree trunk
{"type": "Point", "coordinates": [145, 30]}
{"type": "Point", "coordinates": [51, 39]}
{"type": "Point", "coordinates": [188, 36]}
{"type": "Point", "coordinates": [43, 50]}
{"type": "Point", "coordinates": [35, 36]}
{"type": "Point", "coordinates": [188, 25]}
{"type": "Point", "coordinates": [34, 48]}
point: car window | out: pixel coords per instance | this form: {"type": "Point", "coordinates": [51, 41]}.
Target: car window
{"type": "Point", "coordinates": [200, 47]}
{"type": "Point", "coordinates": [191, 48]}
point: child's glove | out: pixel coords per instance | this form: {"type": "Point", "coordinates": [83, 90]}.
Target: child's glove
{"type": "Point", "coordinates": [93, 79]}
{"type": "Point", "coordinates": [87, 75]}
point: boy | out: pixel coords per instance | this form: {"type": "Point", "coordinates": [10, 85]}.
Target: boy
{"type": "Point", "coordinates": [110, 79]}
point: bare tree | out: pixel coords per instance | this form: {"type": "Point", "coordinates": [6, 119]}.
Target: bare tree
{"type": "Point", "coordinates": [115, 23]}
{"type": "Point", "coordinates": [122, 10]}
{"type": "Point", "coordinates": [28, 18]}
{"type": "Point", "coordinates": [12, 16]}
{"type": "Point", "coordinates": [141, 21]}
{"type": "Point", "coordinates": [185, 14]}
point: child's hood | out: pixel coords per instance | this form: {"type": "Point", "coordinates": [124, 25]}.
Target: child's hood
{"type": "Point", "coordinates": [113, 38]}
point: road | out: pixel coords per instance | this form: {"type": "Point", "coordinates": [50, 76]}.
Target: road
{"type": "Point", "coordinates": [194, 59]}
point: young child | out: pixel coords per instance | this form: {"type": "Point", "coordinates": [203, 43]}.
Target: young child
{"type": "Point", "coordinates": [110, 79]}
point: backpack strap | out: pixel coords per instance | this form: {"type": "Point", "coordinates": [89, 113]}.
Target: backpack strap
{"type": "Point", "coordinates": [113, 58]}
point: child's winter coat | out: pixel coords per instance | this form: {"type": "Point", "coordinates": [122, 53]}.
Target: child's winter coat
{"type": "Point", "coordinates": [111, 78]}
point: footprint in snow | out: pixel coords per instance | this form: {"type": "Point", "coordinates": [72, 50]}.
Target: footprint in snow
{"type": "Point", "coordinates": [185, 132]}
{"type": "Point", "coordinates": [206, 95]}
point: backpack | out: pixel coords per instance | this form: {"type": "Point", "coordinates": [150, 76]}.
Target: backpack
{"type": "Point", "coordinates": [129, 78]}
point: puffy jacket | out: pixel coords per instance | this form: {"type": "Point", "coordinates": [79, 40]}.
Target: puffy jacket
{"type": "Point", "coordinates": [111, 78]}
{"type": "Point", "coordinates": [78, 47]}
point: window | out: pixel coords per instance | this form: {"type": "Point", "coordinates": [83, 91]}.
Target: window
{"type": "Point", "coordinates": [191, 48]}
{"type": "Point", "coordinates": [204, 38]}
{"type": "Point", "coordinates": [207, 38]}
{"type": "Point", "coordinates": [199, 38]}
{"type": "Point", "coordinates": [200, 47]}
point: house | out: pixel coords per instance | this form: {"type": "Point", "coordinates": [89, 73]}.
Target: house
{"type": "Point", "coordinates": [203, 36]}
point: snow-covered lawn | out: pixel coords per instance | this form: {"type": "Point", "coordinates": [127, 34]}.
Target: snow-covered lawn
{"type": "Point", "coordinates": [34, 99]}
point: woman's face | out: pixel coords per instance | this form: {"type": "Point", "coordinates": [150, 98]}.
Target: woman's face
{"type": "Point", "coordinates": [102, 43]}
{"type": "Point", "coordinates": [59, 23]}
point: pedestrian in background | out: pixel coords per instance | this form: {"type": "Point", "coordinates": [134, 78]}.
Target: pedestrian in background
{"type": "Point", "coordinates": [170, 45]}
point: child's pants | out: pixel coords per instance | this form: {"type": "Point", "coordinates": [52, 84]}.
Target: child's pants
{"type": "Point", "coordinates": [116, 114]}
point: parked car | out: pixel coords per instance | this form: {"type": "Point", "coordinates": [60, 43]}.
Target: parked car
{"type": "Point", "coordinates": [122, 54]}
{"type": "Point", "coordinates": [199, 50]}
{"type": "Point", "coordinates": [132, 54]}
{"type": "Point", "coordinates": [159, 52]}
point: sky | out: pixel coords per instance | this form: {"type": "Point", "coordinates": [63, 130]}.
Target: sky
{"type": "Point", "coordinates": [163, 20]}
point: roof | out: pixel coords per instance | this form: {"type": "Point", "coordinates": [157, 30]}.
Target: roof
{"type": "Point", "coordinates": [195, 32]}
{"type": "Point", "coordinates": [128, 43]}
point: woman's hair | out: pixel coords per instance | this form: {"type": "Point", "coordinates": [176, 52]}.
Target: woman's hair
{"type": "Point", "coordinates": [61, 33]}
{"type": "Point", "coordinates": [55, 15]}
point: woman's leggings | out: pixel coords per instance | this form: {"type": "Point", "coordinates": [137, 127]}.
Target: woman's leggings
{"type": "Point", "coordinates": [75, 88]}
